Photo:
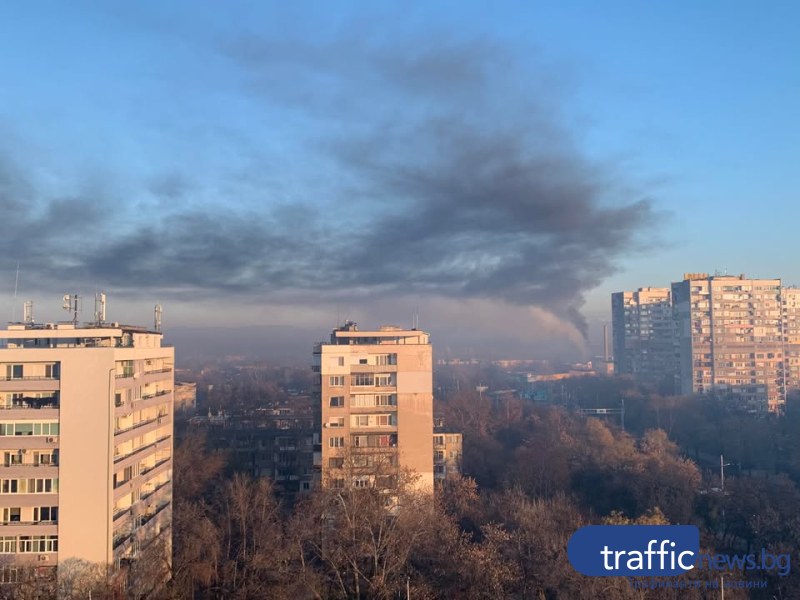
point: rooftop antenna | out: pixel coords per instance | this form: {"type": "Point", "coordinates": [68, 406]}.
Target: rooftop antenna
{"type": "Point", "coordinates": [157, 312]}
{"type": "Point", "coordinates": [415, 319]}
{"type": "Point", "coordinates": [99, 307]}
{"type": "Point", "coordinates": [14, 304]}
{"type": "Point", "coordinates": [72, 303]}
{"type": "Point", "coordinates": [27, 312]}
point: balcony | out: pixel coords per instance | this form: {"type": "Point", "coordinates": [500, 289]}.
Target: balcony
{"type": "Point", "coordinates": [138, 453]}
{"type": "Point", "coordinates": [29, 384]}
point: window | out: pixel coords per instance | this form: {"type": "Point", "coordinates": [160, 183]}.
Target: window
{"type": "Point", "coordinates": [51, 371]}
{"type": "Point", "coordinates": [438, 455]}
{"type": "Point", "coordinates": [383, 380]}
{"type": "Point", "coordinates": [11, 515]}
{"type": "Point", "coordinates": [38, 543]}
{"type": "Point", "coordinates": [438, 469]}
{"type": "Point", "coordinates": [360, 420]}
{"type": "Point", "coordinates": [8, 544]}
{"type": "Point", "coordinates": [13, 458]}
{"type": "Point", "coordinates": [336, 380]}
{"type": "Point", "coordinates": [361, 481]}
{"type": "Point", "coordinates": [9, 575]}
{"type": "Point", "coordinates": [386, 359]}
{"type": "Point", "coordinates": [336, 442]}
{"type": "Point", "coordinates": [363, 379]}
{"type": "Point", "coordinates": [363, 361]}
{"type": "Point", "coordinates": [337, 483]}
{"type": "Point", "coordinates": [340, 361]}
{"type": "Point", "coordinates": [386, 420]}
{"type": "Point", "coordinates": [337, 401]}
{"type": "Point", "coordinates": [385, 400]}
{"type": "Point", "coordinates": [45, 513]}
{"type": "Point", "coordinates": [438, 440]}
{"type": "Point", "coordinates": [13, 371]}
{"type": "Point", "coordinates": [336, 422]}
{"type": "Point", "coordinates": [336, 463]}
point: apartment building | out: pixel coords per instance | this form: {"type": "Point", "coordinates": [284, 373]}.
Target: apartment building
{"type": "Point", "coordinates": [86, 436]}
{"type": "Point", "coordinates": [643, 334]}
{"type": "Point", "coordinates": [738, 336]}
{"type": "Point", "coordinates": [375, 403]}
{"type": "Point", "coordinates": [447, 451]}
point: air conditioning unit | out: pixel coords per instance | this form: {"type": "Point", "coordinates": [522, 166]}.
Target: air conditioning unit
{"type": "Point", "coordinates": [49, 325]}
{"type": "Point", "coordinates": [52, 440]}
{"type": "Point", "coordinates": [44, 557]}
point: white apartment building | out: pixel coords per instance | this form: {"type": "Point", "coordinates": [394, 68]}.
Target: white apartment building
{"type": "Point", "coordinates": [375, 407]}
{"type": "Point", "coordinates": [86, 438]}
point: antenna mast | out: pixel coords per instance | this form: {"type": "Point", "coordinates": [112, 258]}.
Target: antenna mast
{"type": "Point", "coordinates": [27, 312]}
{"type": "Point", "coordinates": [14, 304]}
{"type": "Point", "coordinates": [157, 312]}
{"type": "Point", "coordinates": [72, 303]}
{"type": "Point", "coordinates": [100, 307]}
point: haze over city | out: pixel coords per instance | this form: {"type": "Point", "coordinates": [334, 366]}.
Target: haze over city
{"type": "Point", "coordinates": [499, 170]}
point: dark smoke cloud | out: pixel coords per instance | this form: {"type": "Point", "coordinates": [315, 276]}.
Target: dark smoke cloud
{"type": "Point", "coordinates": [453, 177]}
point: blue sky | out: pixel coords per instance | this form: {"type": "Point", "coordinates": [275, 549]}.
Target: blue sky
{"type": "Point", "coordinates": [296, 160]}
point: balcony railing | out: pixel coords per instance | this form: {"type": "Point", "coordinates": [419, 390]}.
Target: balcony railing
{"type": "Point", "coordinates": [29, 378]}
{"type": "Point", "coordinates": [120, 458]}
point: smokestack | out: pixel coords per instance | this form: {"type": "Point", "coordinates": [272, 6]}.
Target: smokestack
{"type": "Point", "coordinates": [605, 343]}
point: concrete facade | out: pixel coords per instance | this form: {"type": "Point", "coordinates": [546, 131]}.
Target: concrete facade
{"type": "Point", "coordinates": [86, 420]}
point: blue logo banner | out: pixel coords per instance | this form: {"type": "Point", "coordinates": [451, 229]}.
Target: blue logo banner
{"type": "Point", "coordinates": [634, 550]}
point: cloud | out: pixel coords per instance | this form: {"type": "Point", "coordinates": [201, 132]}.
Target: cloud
{"type": "Point", "coordinates": [451, 176]}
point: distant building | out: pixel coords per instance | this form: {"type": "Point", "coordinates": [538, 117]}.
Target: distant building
{"type": "Point", "coordinates": [86, 434]}
{"type": "Point", "coordinates": [185, 396]}
{"type": "Point", "coordinates": [447, 452]}
{"type": "Point", "coordinates": [643, 332]}
{"type": "Point", "coordinates": [375, 403]}
{"type": "Point", "coordinates": [738, 337]}
{"type": "Point", "coordinates": [275, 442]}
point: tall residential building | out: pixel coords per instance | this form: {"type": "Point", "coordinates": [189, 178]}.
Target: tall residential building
{"type": "Point", "coordinates": [375, 407]}
{"type": "Point", "coordinates": [86, 437]}
{"type": "Point", "coordinates": [737, 337]}
{"type": "Point", "coordinates": [643, 334]}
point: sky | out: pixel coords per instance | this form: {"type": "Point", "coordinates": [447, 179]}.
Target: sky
{"type": "Point", "coordinates": [498, 168]}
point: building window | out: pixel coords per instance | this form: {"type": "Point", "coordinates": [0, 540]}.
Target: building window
{"type": "Point", "coordinates": [45, 513]}
{"type": "Point", "coordinates": [361, 481]}
{"type": "Point", "coordinates": [363, 379]}
{"type": "Point", "coordinates": [8, 544]}
{"type": "Point", "coordinates": [340, 361]}
{"type": "Point", "coordinates": [438, 455]}
{"type": "Point", "coordinates": [336, 422]}
{"type": "Point", "coordinates": [11, 515]}
{"type": "Point", "coordinates": [336, 462]}
{"type": "Point", "coordinates": [386, 359]}
{"type": "Point", "coordinates": [337, 401]}
{"type": "Point", "coordinates": [336, 442]}
{"type": "Point", "coordinates": [438, 440]}
{"type": "Point", "coordinates": [383, 380]}
{"type": "Point", "coordinates": [336, 380]}
{"type": "Point", "coordinates": [13, 371]}
{"type": "Point", "coordinates": [38, 543]}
